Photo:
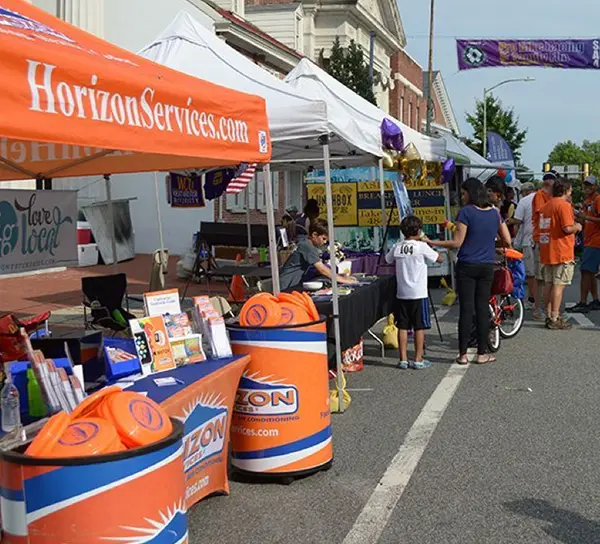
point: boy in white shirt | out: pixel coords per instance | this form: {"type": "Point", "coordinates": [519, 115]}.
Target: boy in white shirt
{"type": "Point", "coordinates": [412, 302]}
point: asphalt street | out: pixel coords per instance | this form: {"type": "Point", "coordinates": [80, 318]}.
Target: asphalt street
{"type": "Point", "coordinates": [497, 464]}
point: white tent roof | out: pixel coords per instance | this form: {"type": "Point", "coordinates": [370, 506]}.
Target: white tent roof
{"type": "Point", "coordinates": [295, 119]}
{"type": "Point", "coordinates": [461, 151]}
{"type": "Point", "coordinates": [353, 116]}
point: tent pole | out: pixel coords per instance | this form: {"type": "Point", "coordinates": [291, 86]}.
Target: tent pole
{"type": "Point", "coordinates": [111, 222]}
{"type": "Point", "coordinates": [248, 223]}
{"type": "Point", "coordinates": [268, 191]}
{"type": "Point", "coordinates": [382, 193]}
{"type": "Point", "coordinates": [334, 285]}
{"type": "Point", "coordinates": [447, 235]}
{"type": "Point", "coordinates": [161, 239]}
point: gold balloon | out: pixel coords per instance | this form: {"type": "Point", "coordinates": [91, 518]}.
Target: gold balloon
{"type": "Point", "coordinates": [388, 160]}
{"type": "Point", "coordinates": [412, 153]}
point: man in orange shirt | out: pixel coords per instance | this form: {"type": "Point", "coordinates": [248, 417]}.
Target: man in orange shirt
{"type": "Point", "coordinates": [541, 198]}
{"type": "Point", "coordinates": [557, 229]}
{"type": "Point", "coordinates": [590, 216]}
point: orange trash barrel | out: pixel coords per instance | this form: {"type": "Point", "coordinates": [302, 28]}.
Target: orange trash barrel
{"type": "Point", "coordinates": [116, 497]}
{"type": "Point", "coordinates": [281, 421]}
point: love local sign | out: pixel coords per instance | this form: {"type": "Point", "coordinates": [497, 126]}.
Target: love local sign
{"type": "Point", "coordinates": [38, 229]}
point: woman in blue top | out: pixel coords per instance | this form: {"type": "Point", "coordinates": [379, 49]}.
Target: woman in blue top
{"type": "Point", "coordinates": [477, 226]}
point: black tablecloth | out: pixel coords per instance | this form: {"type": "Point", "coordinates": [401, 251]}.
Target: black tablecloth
{"type": "Point", "coordinates": [359, 311]}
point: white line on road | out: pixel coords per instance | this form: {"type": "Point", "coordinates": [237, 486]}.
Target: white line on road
{"type": "Point", "coordinates": [374, 517]}
{"type": "Point", "coordinates": [442, 311]}
{"type": "Point", "coordinates": [360, 389]}
{"type": "Point", "coordinates": [582, 320]}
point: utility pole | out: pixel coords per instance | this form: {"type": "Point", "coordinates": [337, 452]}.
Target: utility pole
{"type": "Point", "coordinates": [429, 94]}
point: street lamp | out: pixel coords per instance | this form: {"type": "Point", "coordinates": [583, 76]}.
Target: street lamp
{"type": "Point", "coordinates": [485, 93]}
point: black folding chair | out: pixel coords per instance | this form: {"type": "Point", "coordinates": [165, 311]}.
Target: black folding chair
{"type": "Point", "coordinates": [103, 296]}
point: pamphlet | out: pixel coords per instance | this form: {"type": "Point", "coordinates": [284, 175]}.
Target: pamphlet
{"type": "Point", "coordinates": [152, 343]}
{"type": "Point", "coordinates": [159, 303]}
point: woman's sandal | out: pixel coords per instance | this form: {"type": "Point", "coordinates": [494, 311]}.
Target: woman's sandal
{"type": "Point", "coordinates": [460, 361]}
{"type": "Point", "coordinates": [488, 359]}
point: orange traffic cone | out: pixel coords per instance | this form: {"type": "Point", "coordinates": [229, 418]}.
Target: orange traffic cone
{"type": "Point", "coordinates": [237, 293]}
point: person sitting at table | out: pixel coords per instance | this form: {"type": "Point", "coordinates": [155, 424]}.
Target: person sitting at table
{"type": "Point", "coordinates": [311, 212]}
{"type": "Point", "coordinates": [307, 255]}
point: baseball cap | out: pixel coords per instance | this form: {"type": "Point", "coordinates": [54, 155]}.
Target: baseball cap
{"type": "Point", "coordinates": [592, 180]}
{"type": "Point", "coordinates": [291, 209]}
{"type": "Point", "coordinates": [549, 176]}
{"type": "Point", "coordinates": [528, 186]}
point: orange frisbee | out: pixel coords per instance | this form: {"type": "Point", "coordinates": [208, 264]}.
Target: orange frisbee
{"type": "Point", "coordinates": [43, 444]}
{"type": "Point", "coordinates": [139, 420]}
{"type": "Point", "coordinates": [86, 437]}
{"type": "Point", "coordinates": [292, 315]}
{"type": "Point", "coordinates": [313, 313]}
{"type": "Point", "coordinates": [291, 298]}
{"type": "Point", "coordinates": [513, 254]}
{"type": "Point", "coordinates": [260, 312]}
{"type": "Point", "coordinates": [89, 405]}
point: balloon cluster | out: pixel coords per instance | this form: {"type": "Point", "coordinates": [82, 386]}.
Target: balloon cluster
{"type": "Point", "coordinates": [506, 175]}
{"type": "Point", "coordinates": [391, 136]}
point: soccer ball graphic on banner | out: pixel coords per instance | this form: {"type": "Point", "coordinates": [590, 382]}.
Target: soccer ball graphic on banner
{"type": "Point", "coordinates": [474, 55]}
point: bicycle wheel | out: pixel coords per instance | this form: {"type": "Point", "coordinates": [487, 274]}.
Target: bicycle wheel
{"type": "Point", "coordinates": [494, 336]}
{"type": "Point", "coordinates": [511, 315]}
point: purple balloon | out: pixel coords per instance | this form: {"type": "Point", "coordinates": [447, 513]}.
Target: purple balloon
{"type": "Point", "coordinates": [391, 135]}
{"type": "Point", "coordinates": [448, 170]}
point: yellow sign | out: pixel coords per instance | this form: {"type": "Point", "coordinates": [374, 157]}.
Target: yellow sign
{"type": "Point", "coordinates": [431, 215]}
{"type": "Point", "coordinates": [372, 218]}
{"type": "Point", "coordinates": [344, 202]}
{"type": "Point", "coordinates": [364, 186]}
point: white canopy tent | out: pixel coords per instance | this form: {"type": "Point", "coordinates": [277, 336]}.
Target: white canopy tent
{"type": "Point", "coordinates": [353, 115]}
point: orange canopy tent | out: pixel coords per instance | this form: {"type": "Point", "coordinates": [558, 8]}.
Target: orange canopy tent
{"type": "Point", "coordinates": [72, 104]}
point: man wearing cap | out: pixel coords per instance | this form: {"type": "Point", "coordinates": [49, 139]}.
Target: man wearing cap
{"type": "Point", "coordinates": [541, 198]}
{"type": "Point", "coordinates": [523, 240]}
{"type": "Point", "coordinates": [590, 216]}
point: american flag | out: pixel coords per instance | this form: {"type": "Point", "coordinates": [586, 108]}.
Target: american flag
{"type": "Point", "coordinates": [243, 175]}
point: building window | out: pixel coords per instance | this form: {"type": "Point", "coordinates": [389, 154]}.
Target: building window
{"type": "Point", "coordinates": [418, 127]}
{"type": "Point", "coordinates": [401, 112]}
{"type": "Point", "coordinates": [298, 34]}
{"type": "Point", "coordinates": [409, 121]}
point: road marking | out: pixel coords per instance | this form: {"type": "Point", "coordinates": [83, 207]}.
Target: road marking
{"type": "Point", "coordinates": [583, 321]}
{"type": "Point", "coordinates": [374, 517]}
{"type": "Point", "coordinates": [360, 389]}
{"type": "Point", "coordinates": [442, 311]}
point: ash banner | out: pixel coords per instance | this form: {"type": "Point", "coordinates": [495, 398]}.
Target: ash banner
{"type": "Point", "coordinates": [38, 229]}
{"type": "Point", "coordinates": [574, 54]}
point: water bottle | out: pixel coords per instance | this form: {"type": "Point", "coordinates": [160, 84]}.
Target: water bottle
{"type": "Point", "coordinates": [9, 402]}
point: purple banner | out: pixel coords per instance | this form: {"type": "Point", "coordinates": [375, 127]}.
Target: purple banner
{"type": "Point", "coordinates": [185, 191]}
{"type": "Point", "coordinates": [579, 54]}
{"type": "Point", "coordinates": [498, 149]}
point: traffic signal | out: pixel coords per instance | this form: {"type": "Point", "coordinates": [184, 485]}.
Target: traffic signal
{"type": "Point", "coordinates": [586, 170]}
{"type": "Point", "coordinates": [546, 167]}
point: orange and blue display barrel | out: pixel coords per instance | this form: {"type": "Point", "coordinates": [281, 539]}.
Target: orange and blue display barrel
{"type": "Point", "coordinates": [282, 420]}
{"type": "Point", "coordinates": [131, 496]}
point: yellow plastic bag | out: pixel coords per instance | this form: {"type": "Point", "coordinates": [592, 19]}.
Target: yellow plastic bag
{"type": "Point", "coordinates": [390, 333]}
{"type": "Point", "coordinates": [334, 399]}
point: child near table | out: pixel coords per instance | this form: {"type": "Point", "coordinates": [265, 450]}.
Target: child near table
{"type": "Point", "coordinates": [412, 302]}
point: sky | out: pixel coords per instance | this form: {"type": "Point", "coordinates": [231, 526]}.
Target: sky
{"type": "Point", "coordinates": [560, 105]}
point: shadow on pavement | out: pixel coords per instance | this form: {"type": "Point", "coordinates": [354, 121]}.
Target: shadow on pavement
{"type": "Point", "coordinates": [566, 526]}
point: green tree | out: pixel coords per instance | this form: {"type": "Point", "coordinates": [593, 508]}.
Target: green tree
{"type": "Point", "coordinates": [570, 153]}
{"type": "Point", "coordinates": [348, 66]}
{"type": "Point", "coordinates": [501, 120]}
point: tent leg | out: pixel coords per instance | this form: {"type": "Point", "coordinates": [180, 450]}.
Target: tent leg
{"type": "Point", "coordinates": [268, 187]}
{"type": "Point", "coordinates": [382, 194]}
{"type": "Point", "coordinates": [248, 222]}
{"type": "Point", "coordinates": [334, 286]}
{"type": "Point", "coordinates": [161, 239]}
{"type": "Point", "coordinates": [111, 223]}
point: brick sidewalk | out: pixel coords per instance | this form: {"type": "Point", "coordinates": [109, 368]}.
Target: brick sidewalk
{"type": "Point", "coordinates": [60, 292]}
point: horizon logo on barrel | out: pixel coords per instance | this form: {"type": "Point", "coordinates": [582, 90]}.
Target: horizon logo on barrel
{"type": "Point", "coordinates": [32, 230]}
{"type": "Point", "coordinates": [259, 397]}
{"type": "Point", "coordinates": [205, 423]}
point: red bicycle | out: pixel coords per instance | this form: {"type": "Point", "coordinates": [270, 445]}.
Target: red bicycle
{"type": "Point", "coordinates": [506, 310]}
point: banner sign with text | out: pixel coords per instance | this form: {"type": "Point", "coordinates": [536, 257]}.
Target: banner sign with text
{"type": "Point", "coordinates": [185, 191]}
{"type": "Point", "coordinates": [577, 54]}
{"type": "Point", "coordinates": [38, 229]}
{"type": "Point", "coordinates": [344, 202]}
{"type": "Point", "coordinates": [498, 149]}
{"type": "Point", "coordinates": [369, 204]}
{"type": "Point", "coordinates": [423, 181]}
